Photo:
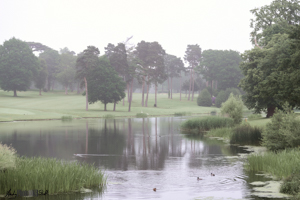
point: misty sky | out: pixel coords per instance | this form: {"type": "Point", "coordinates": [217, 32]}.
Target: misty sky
{"type": "Point", "coordinates": [213, 24]}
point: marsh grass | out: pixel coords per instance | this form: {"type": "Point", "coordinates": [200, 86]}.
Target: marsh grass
{"type": "Point", "coordinates": [50, 174]}
{"type": "Point", "coordinates": [207, 123]}
{"type": "Point", "coordinates": [66, 118]}
{"type": "Point", "coordinates": [141, 115]}
{"type": "Point", "coordinates": [7, 157]}
{"type": "Point", "coordinates": [245, 134]}
{"type": "Point", "coordinates": [182, 113]}
{"type": "Point", "coordinates": [109, 116]}
{"type": "Point", "coordinates": [225, 132]}
{"type": "Point", "coordinates": [254, 116]}
{"type": "Point", "coordinates": [279, 165]}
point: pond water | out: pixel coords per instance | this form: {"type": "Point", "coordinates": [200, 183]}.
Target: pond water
{"type": "Point", "coordinates": [138, 155]}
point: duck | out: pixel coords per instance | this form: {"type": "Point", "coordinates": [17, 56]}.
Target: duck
{"type": "Point", "coordinates": [199, 179]}
{"type": "Point", "coordinates": [154, 189]}
{"type": "Point", "coordinates": [212, 174]}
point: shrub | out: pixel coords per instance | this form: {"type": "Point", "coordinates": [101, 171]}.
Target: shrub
{"type": "Point", "coordinates": [141, 115]}
{"type": "Point", "coordinates": [234, 91]}
{"type": "Point", "coordinates": [221, 97]}
{"type": "Point", "coordinates": [291, 184]}
{"type": "Point", "coordinates": [234, 108]}
{"type": "Point", "coordinates": [108, 116]}
{"type": "Point", "coordinates": [245, 134]}
{"type": "Point", "coordinates": [207, 123]}
{"type": "Point", "coordinates": [204, 99]}
{"type": "Point", "coordinates": [225, 132]}
{"type": "Point", "coordinates": [7, 157]}
{"type": "Point", "coordinates": [66, 118]}
{"type": "Point", "coordinates": [283, 131]}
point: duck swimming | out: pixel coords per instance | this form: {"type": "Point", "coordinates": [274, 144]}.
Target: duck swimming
{"type": "Point", "coordinates": [199, 179]}
{"type": "Point", "coordinates": [212, 174]}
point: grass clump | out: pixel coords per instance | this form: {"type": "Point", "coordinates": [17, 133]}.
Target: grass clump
{"type": "Point", "coordinates": [182, 113]}
{"type": "Point", "coordinates": [50, 174]}
{"type": "Point", "coordinates": [283, 131]}
{"type": "Point", "coordinates": [141, 115]}
{"type": "Point", "coordinates": [291, 184]}
{"type": "Point", "coordinates": [207, 123]}
{"type": "Point", "coordinates": [224, 132]}
{"type": "Point", "coordinates": [234, 108]}
{"type": "Point", "coordinates": [245, 134]}
{"type": "Point", "coordinates": [7, 157]}
{"type": "Point", "coordinates": [66, 118]}
{"type": "Point", "coordinates": [254, 116]}
{"type": "Point", "coordinates": [108, 116]}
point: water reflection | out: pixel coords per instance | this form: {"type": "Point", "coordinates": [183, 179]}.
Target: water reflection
{"type": "Point", "coordinates": [138, 155]}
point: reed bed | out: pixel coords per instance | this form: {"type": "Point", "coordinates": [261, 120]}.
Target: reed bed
{"type": "Point", "coordinates": [50, 174]}
{"type": "Point", "coordinates": [279, 165]}
{"type": "Point", "coordinates": [245, 134]}
{"type": "Point", "coordinates": [225, 132]}
{"type": "Point", "coordinates": [206, 123]}
{"type": "Point", "coordinates": [66, 118]}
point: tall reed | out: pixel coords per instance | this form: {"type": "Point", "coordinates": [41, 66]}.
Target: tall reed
{"type": "Point", "coordinates": [50, 174]}
{"type": "Point", "coordinates": [245, 134]}
{"type": "Point", "coordinates": [225, 132]}
{"type": "Point", "coordinates": [206, 123]}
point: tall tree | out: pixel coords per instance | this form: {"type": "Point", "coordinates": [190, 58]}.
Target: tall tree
{"type": "Point", "coordinates": [85, 61]}
{"type": "Point", "coordinates": [104, 83]}
{"type": "Point", "coordinates": [41, 76]}
{"type": "Point", "coordinates": [193, 57]}
{"type": "Point", "coordinates": [18, 65]}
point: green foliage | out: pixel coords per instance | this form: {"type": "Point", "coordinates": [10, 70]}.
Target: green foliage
{"type": "Point", "coordinates": [104, 84]}
{"type": "Point", "coordinates": [66, 118]}
{"type": "Point", "coordinates": [283, 131]}
{"type": "Point", "coordinates": [50, 174]}
{"type": "Point", "coordinates": [204, 99]}
{"type": "Point", "coordinates": [234, 108]}
{"type": "Point", "coordinates": [182, 113]}
{"type": "Point", "coordinates": [291, 184]}
{"type": "Point", "coordinates": [41, 77]}
{"type": "Point", "coordinates": [245, 134]}
{"type": "Point", "coordinates": [224, 95]}
{"type": "Point", "coordinates": [18, 65]}
{"type": "Point", "coordinates": [280, 165]}
{"type": "Point", "coordinates": [207, 123]}
{"type": "Point", "coordinates": [141, 115]}
{"type": "Point", "coordinates": [7, 157]}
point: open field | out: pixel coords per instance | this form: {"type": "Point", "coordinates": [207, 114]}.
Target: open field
{"type": "Point", "coordinates": [53, 105]}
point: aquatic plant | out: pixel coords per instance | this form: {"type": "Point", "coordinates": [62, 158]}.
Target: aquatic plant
{"type": "Point", "coordinates": [66, 118]}
{"type": "Point", "coordinates": [50, 174]}
{"type": "Point", "coordinates": [224, 132]}
{"type": "Point", "coordinates": [245, 134]}
{"type": "Point", "coordinates": [7, 157]}
{"type": "Point", "coordinates": [207, 123]}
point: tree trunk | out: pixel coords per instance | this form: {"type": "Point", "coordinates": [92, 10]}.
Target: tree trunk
{"type": "Point", "coordinates": [168, 88]}
{"type": "Point", "coordinates": [105, 107]}
{"type": "Point", "coordinates": [171, 91]}
{"type": "Point", "coordinates": [52, 85]}
{"type": "Point", "coordinates": [40, 91]}
{"type": "Point", "coordinates": [180, 86]}
{"type": "Point", "coordinates": [130, 98]}
{"type": "Point", "coordinates": [128, 92]}
{"type": "Point", "coordinates": [115, 106]}
{"type": "Point", "coordinates": [270, 111]}
{"type": "Point", "coordinates": [15, 92]}
{"type": "Point", "coordinates": [143, 87]}
{"type": "Point", "coordinates": [211, 85]}
{"type": "Point", "coordinates": [78, 88]}
{"type": "Point", "coordinates": [190, 85]}
{"type": "Point", "coordinates": [66, 90]}
{"type": "Point", "coordinates": [162, 88]}
{"type": "Point", "coordinates": [146, 103]}
{"type": "Point", "coordinates": [48, 84]}
{"type": "Point", "coordinates": [86, 95]}
{"type": "Point", "coordinates": [155, 95]}
{"type": "Point", "coordinates": [193, 84]}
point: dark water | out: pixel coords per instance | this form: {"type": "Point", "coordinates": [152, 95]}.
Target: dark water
{"type": "Point", "coordinates": [138, 155]}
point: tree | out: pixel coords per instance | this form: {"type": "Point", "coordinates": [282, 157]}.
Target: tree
{"type": "Point", "coordinates": [193, 57]}
{"type": "Point", "coordinates": [85, 61]}
{"type": "Point", "coordinates": [41, 77]}
{"type": "Point", "coordinates": [18, 65]}
{"type": "Point", "coordinates": [52, 59]}
{"type": "Point", "coordinates": [104, 83]}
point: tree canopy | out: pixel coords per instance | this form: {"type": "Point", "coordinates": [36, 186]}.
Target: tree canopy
{"type": "Point", "coordinates": [18, 65]}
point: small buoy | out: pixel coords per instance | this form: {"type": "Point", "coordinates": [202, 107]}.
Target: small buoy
{"type": "Point", "coordinates": [154, 189]}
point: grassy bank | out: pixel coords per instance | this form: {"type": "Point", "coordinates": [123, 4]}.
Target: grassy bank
{"type": "Point", "coordinates": [50, 174]}
{"type": "Point", "coordinates": [53, 105]}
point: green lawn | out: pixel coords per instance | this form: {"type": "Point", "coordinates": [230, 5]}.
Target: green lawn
{"type": "Point", "coordinates": [53, 105]}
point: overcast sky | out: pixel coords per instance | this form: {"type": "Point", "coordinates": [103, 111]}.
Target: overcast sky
{"type": "Point", "coordinates": [212, 24]}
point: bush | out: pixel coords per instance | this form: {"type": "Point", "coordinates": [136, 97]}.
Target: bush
{"type": "Point", "coordinates": [221, 98]}
{"type": "Point", "coordinates": [66, 118]}
{"type": "Point", "coordinates": [141, 115]}
{"type": "Point", "coordinates": [291, 184]}
{"type": "Point", "coordinates": [283, 131]}
{"type": "Point", "coordinates": [225, 132]}
{"type": "Point", "coordinates": [7, 157]}
{"type": "Point", "coordinates": [207, 123]}
{"type": "Point", "coordinates": [245, 134]}
{"type": "Point", "coordinates": [234, 108]}
{"type": "Point", "coordinates": [204, 99]}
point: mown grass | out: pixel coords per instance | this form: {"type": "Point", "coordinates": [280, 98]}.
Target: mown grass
{"type": "Point", "coordinates": [279, 165]}
{"type": "Point", "coordinates": [53, 105]}
{"type": "Point", "coordinates": [245, 134]}
{"type": "Point", "coordinates": [50, 174]}
{"type": "Point", "coordinates": [206, 123]}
